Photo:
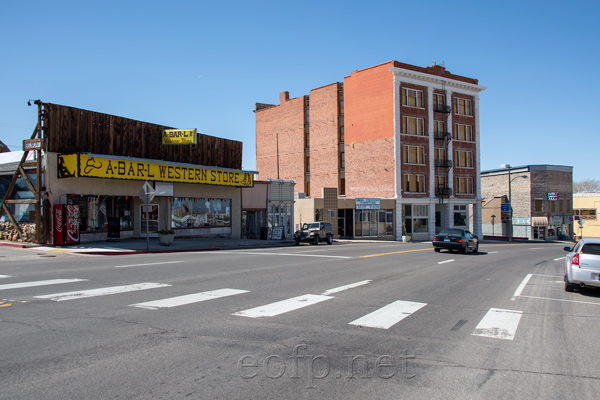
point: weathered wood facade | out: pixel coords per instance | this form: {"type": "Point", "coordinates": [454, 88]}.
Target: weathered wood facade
{"type": "Point", "coordinates": [73, 130]}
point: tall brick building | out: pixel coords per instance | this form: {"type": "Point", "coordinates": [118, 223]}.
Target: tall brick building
{"type": "Point", "coordinates": [389, 132]}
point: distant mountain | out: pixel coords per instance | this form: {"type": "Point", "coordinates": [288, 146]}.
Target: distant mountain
{"type": "Point", "coordinates": [3, 148]}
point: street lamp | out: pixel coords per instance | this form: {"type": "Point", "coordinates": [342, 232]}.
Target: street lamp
{"type": "Point", "coordinates": [510, 210]}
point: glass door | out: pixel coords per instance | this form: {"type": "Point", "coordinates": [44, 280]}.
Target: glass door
{"type": "Point", "coordinates": [152, 214]}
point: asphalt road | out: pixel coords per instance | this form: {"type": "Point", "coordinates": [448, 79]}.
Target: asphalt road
{"type": "Point", "coordinates": [348, 321]}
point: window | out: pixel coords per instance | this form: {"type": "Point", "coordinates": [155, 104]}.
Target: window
{"type": "Point", "coordinates": [94, 211]}
{"type": "Point", "coordinates": [539, 205]}
{"type": "Point", "coordinates": [416, 218]}
{"type": "Point", "coordinates": [463, 159]}
{"type": "Point", "coordinates": [440, 181]}
{"type": "Point", "coordinates": [412, 126]}
{"type": "Point", "coordinates": [414, 183]}
{"type": "Point", "coordinates": [439, 128]}
{"type": "Point", "coordinates": [440, 154]}
{"type": "Point", "coordinates": [412, 98]}
{"type": "Point", "coordinates": [438, 101]}
{"type": "Point", "coordinates": [463, 132]}
{"type": "Point", "coordinates": [585, 213]}
{"type": "Point", "coordinates": [464, 185]}
{"type": "Point", "coordinates": [462, 106]}
{"type": "Point", "coordinates": [413, 154]}
{"type": "Point", "coordinates": [189, 212]}
{"type": "Point", "coordinates": [460, 215]}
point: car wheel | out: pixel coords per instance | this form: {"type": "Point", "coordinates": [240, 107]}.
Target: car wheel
{"type": "Point", "coordinates": [476, 249]}
{"type": "Point", "coordinates": [329, 239]}
{"type": "Point", "coordinates": [465, 249]}
{"type": "Point", "coordinates": [436, 249]}
{"type": "Point", "coordinates": [316, 240]}
{"type": "Point", "coordinates": [569, 287]}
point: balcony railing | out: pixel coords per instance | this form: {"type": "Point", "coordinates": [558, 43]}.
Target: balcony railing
{"type": "Point", "coordinates": [443, 191]}
{"type": "Point", "coordinates": [443, 163]}
{"type": "Point", "coordinates": [443, 108]}
{"type": "Point", "coordinates": [442, 135]}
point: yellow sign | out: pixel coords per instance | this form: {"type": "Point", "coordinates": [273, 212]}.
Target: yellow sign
{"type": "Point", "coordinates": [82, 165]}
{"type": "Point", "coordinates": [179, 136]}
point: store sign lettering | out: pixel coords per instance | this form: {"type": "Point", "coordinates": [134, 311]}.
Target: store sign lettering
{"type": "Point", "coordinates": [179, 136]}
{"type": "Point", "coordinates": [82, 165]}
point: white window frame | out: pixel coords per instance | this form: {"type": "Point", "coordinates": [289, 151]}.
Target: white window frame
{"type": "Point", "coordinates": [408, 93]}
{"type": "Point", "coordinates": [468, 158]}
{"type": "Point", "coordinates": [419, 124]}
{"type": "Point", "coordinates": [462, 104]}
{"type": "Point", "coordinates": [420, 182]}
{"type": "Point", "coordinates": [419, 152]}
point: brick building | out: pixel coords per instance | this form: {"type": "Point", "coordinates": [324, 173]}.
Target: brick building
{"type": "Point", "coordinates": [542, 202]}
{"type": "Point", "coordinates": [389, 132]}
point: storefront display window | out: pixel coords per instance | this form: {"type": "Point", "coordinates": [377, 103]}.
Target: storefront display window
{"type": "Point", "coordinates": [374, 223]}
{"type": "Point", "coordinates": [416, 218]}
{"type": "Point", "coordinates": [193, 212]}
{"type": "Point", "coordinates": [95, 210]}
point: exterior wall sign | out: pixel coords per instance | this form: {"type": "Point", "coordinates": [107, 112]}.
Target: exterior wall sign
{"type": "Point", "coordinates": [522, 221]}
{"type": "Point", "coordinates": [556, 220]}
{"type": "Point", "coordinates": [367, 204]}
{"type": "Point", "coordinates": [83, 165]}
{"type": "Point", "coordinates": [32, 144]}
{"type": "Point", "coordinates": [553, 196]}
{"type": "Point", "coordinates": [179, 136]}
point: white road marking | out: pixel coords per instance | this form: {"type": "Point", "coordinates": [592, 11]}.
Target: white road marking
{"type": "Point", "coordinates": [560, 258]}
{"type": "Point", "coordinates": [521, 287]}
{"type": "Point", "coordinates": [143, 265]}
{"type": "Point", "coordinates": [446, 261]}
{"type": "Point", "coordinates": [567, 301]}
{"type": "Point", "coordinates": [499, 324]}
{"type": "Point", "coordinates": [38, 283]}
{"type": "Point", "coordinates": [346, 287]}
{"type": "Point", "coordinates": [492, 252]}
{"type": "Point", "coordinates": [5, 276]}
{"type": "Point", "coordinates": [388, 316]}
{"type": "Point", "coordinates": [188, 299]}
{"type": "Point", "coordinates": [101, 292]}
{"type": "Point", "coordinates": [279, 254]}
{"type": "Point", "coordinates": [280, 307]}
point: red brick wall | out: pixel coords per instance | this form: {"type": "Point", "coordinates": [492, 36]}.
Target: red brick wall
{"type": "Point", "coordinates": [369, 132]}
{"type": "Point", "coordinates": [324, 139]}
{"type": "Point", "coordinates": [284, 124]}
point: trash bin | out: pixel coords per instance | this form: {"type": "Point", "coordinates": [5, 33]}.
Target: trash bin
{"type": "Point", "coordinates": [264, 233]}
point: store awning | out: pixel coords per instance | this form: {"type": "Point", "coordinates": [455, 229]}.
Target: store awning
{"type": "Point", "coordinates": [539, 221]}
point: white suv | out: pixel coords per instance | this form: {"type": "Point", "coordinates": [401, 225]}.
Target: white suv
{"type": "Point", "coordinates": [582, 264]}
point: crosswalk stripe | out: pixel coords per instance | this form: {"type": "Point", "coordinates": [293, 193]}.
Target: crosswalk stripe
{"type": "Point", "coordinates": [101, 292]}
{"type": "Point", "coordinates": [280, 307]}
{"type": "Point", "coordinates": [5, 276]}
{"type": "Point", "coordinates": [499, 324]}
{"type": "Point", "coordinates": [345, 287]}
{"type": "Point", "coordinates": [188, 299]}
{"type": "Point", "coordinates": [389, 315]}
{"type": "Point", "coordinates": [38, 283]}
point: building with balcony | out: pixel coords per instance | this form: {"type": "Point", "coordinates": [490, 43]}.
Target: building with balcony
{"type": "Point", "coordinates": [393, 135]}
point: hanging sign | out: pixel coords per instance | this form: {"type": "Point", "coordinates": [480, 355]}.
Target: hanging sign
{"type": "Point", "coordinates": [32, 144]}
{"type": "Point", "coordinates": [179, 136]}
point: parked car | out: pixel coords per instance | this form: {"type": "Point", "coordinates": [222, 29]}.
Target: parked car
{"type": "Point", "coordinates": [582, 264]}
{"type": "Point", "coordinates": [314, 232]}
{"type": "Point", "coordinates": [456, 239]}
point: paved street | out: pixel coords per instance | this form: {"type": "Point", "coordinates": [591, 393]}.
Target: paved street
{"type": "Point", "coordinates": [352, 320]}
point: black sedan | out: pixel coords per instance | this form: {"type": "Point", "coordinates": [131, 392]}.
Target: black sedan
{"type": "Point", "coordinates": [456, 239]}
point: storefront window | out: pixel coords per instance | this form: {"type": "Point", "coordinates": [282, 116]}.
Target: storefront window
{"type": "Point", "coordinates": [374, 223]}
{"type": "Point", "coordinates": [94, 211]}
{"type": "Point", "coordinates": [187, 212]}
{"type": "Point", "coordinates": [416, 218]}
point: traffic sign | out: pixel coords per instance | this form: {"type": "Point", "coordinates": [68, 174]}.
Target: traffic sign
{"type": "Point", "coordinates": [147, 193]}
{"type": "Point", "coordinates": [505, 207]}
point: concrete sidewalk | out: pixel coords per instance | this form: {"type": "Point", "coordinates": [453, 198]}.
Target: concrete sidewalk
{"type": "Point", "coordinates": [138, 246]}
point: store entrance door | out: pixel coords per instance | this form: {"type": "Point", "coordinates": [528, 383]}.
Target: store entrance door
{"type": "Point", "coordinates": [152, 220]}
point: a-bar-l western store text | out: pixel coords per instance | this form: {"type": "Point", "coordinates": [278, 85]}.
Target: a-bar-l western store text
{"type": "Point", "coordinates": [83, 165]}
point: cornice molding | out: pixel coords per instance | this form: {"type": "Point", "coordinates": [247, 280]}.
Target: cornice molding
{"type": "Point", "coordinates": [435, 80]}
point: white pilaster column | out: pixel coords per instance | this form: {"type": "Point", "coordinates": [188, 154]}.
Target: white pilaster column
{"type": "Point", "coordinates": [450, 154]}
{"type": "Point", "coordinates": [430, 151]}
{"type": "Point", "coordinates": [397, 137]}
{"type": "Point", "coordinates": [477, 217]}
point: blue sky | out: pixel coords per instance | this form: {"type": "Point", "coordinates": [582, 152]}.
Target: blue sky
{"type": "Point", "coordinates": [203, 65]}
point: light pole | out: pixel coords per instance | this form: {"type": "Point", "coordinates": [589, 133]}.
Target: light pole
{"type": "Point", "coordinates": [510, 229]}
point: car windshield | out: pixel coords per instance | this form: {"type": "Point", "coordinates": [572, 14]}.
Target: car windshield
{"type": "Point", "coordinates": [310, 226]}
{"type": "Point", "coordinates": [453, 232]}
